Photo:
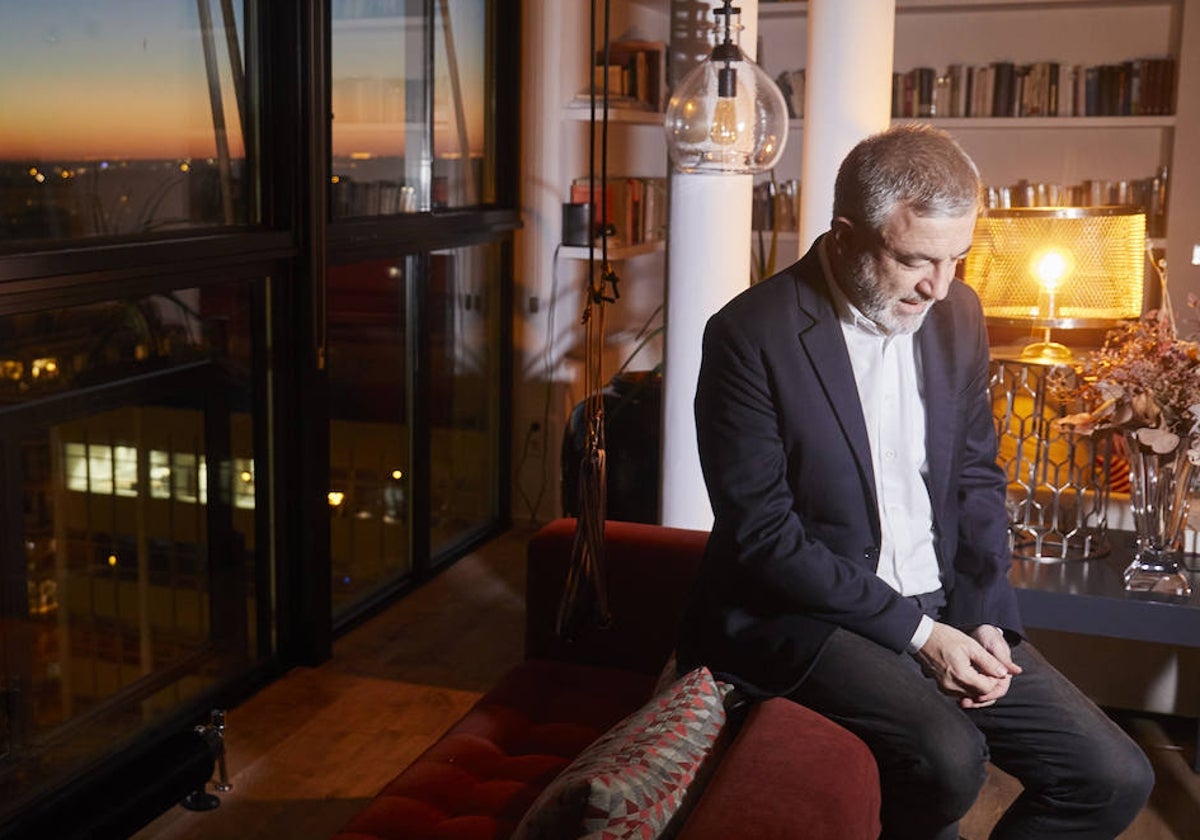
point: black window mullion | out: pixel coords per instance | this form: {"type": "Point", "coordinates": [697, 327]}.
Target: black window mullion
{"type": "Point", "coordinates": [418, 400]}
{"type": "Point", "coordinates": [294, 123]}
{"type": "Point", "coordinates": [504, 47]}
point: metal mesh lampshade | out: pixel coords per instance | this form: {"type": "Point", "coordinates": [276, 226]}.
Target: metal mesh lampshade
{"type": "Point", "coordinates": [1058, 267]}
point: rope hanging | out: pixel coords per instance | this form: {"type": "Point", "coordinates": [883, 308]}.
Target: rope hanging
{"type": "Point", "coordinates": [584, 604]}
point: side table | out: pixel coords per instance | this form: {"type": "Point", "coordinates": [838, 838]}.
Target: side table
{"type": "Point", "coordinates": [1057, 481]}
{"type": "Point", "coordinates": [1089, 597]}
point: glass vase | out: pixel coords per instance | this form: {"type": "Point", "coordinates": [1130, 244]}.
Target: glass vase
{"type": "Point", "coordinates": [1159, 496]}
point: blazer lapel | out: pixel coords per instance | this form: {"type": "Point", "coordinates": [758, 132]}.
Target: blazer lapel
{"type": "Point", "coordinates": [822, 340]}
{"type": "Point", "coordinates": [935, 343]}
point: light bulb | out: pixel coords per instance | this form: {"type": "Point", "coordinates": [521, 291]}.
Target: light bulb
{"type": "Point", "coordinates": [724, 130]}
{"type": "Point", "coordinates": [1051, 267]}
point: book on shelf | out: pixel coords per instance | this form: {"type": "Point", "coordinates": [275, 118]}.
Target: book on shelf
{"type": "Point", "coordinates": [371, 198]}
{"type": "Point", "coordinates": [635, 208]}
{"type": "Point", "coordinates": [1144, 86]}
{"type": "Point", "coordinates": [636, 69]}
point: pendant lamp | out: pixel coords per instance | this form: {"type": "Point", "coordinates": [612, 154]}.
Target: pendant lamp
{"type": "Point", "coordinates": [726, 115]}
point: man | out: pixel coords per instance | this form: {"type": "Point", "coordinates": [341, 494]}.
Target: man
{"type": "Point", "coordinates": [858, 557]}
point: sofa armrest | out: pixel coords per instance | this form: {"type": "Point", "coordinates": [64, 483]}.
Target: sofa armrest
{"type": "Point", "coordinates": [650, 569]}
{"type": "Point", "coordinates": [790, 774]}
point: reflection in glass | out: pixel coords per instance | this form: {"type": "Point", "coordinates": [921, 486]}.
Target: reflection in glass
{"type": "Point", "coordinates": [369, 429]}
{"type": "Point", "coordinates": [391, 153]}
{"type": "Point", "coordinates": [120, 118]}
{"type": "Point", "coordinates": [464, 288]}
{"type": "Point", "coordinates": [116, 611]}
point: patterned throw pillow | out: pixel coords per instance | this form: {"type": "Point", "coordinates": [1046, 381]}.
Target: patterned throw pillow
{"type": "Point", "coordinates": [633, 779]}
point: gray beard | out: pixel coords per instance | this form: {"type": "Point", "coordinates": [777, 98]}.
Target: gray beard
{"type": "Point", "coordinates": [863, 289]}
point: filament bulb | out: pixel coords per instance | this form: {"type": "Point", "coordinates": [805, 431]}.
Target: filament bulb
{"type": "Point", "coordinates": [724, 129]}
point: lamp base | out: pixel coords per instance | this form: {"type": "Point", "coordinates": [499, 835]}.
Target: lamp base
{"type": "Point", "coordinates": [1047, 353]}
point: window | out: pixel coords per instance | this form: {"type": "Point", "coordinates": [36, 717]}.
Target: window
{"type": "Point", "coordinates": [138, 590]}
{"type": "Point", "coordinates": [120, 119]}
{"type": "Point", "coordinates": [396, 148]}
{"type": "Point", "coordinates": [464, 296]}
{"type": "Point", "coordinates": [370, 428]}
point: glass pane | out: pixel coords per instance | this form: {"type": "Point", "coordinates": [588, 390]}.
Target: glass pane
{"type": "Point", "coordinates": [125, 594]}
{"type": "Point", "coordinates": [119, 119]}
{"type": "Point", "coordinates": [463, 139]}
{"type": "Point", "coordinates": [380, 137]}
{"type": "Point", "coordinates": [464, 296]}
{"type": "Point", "coordinates": [369, 429]}
{"type": "Point", "coordinates": [382, 158]}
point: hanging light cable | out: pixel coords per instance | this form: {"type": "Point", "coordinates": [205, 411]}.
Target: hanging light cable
{"type": "Point", "coordinates": [726, 115]}
{"type": "Point", "coordinates": [584, 604]}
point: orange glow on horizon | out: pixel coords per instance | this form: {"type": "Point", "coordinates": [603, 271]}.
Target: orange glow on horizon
{"type": "Point", "coordinates": [96, 129]}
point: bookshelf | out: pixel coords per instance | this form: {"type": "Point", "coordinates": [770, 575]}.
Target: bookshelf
{"type": "Point", "coordinates": [636, 144]}
{"type": "Point", "coordinates": [551, 277]}
{"type": "Point", "coordinates": [1066, 150]}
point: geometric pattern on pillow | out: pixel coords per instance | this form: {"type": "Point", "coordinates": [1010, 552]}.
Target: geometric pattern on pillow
{"type": "Point", "coordinates": [633, 778]}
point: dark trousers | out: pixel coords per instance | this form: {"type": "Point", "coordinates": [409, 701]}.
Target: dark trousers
{"type": "Point", "coordinates": [1083, 776]}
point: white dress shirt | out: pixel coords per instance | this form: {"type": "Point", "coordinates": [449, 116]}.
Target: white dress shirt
{"type": "Point", "coordinates": [886, 371]}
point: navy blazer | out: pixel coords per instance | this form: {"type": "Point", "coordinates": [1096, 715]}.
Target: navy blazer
{"type": "Point", "coordinates": [783, 445]}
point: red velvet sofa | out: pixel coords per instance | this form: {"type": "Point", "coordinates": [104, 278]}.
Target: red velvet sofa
{"type": "Point", "coordinates": [783, 771]}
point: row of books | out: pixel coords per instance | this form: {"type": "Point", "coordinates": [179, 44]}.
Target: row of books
{"type": "Point", "coordinates": [1149, 193]}
{"type": "Point", "coordinates": [634, 75]}
{"type": "Point", "coordinates": [371, 198]}
{"type": "Point", "coordinates": [1143, 87]}
{"type": "Point", "coordinates": [776, 206]}
{"type": "Point", "coordinates": [634, 210]}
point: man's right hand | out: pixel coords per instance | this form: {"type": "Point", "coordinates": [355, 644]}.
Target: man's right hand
{"type": "Point", "coordinates": [962, 667]}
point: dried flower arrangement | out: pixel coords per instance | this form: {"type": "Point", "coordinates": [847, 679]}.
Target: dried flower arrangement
{"type": "Point", "coordinates": [1144, 381]}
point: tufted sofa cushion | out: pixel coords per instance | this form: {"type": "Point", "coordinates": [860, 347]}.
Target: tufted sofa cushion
{"type": "Point", "coordinates": [478, 780]}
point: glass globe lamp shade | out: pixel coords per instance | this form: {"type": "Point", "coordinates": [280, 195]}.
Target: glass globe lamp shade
{"type": "Point", "coordinates": [709, 130]}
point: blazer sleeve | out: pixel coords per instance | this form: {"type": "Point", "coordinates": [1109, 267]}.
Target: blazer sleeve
{"type": "Point", "coordinates": [981, 592]}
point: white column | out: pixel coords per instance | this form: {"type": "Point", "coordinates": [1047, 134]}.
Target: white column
{"type": "Point", "coordinates": [546, 83]}
{"type": "Point", "coordinates": [708, 263]}
{"type": "Point", "coordinates": [847, 95]}
{"type": "Point", "coordinates": [1183, 244]}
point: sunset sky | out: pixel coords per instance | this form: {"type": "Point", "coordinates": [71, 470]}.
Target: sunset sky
{"type": "Point", "coordinates": [93, 80]}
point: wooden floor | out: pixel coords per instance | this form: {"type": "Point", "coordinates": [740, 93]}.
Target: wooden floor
{"type": "Point", "coordinates": [312, 748]}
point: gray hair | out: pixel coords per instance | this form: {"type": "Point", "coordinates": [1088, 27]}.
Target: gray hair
{"type": "Point", "coordinates": [913, 164]}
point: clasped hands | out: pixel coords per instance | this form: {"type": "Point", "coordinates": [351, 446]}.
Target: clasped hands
{"type": "Point", "coordinates": [976, 668]}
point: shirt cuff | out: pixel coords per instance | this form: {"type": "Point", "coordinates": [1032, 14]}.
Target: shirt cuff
{"type": "Point", "coordinates": [921, 635]}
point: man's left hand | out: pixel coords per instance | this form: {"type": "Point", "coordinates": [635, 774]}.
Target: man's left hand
{"type": "Point", "coordinates": [992, 639]}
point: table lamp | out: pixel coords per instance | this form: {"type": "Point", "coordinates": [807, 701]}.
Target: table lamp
{"type": "Point", "coordinates": [1058, 268]}
{"type": "Point", "coordinates": [1053, 268]}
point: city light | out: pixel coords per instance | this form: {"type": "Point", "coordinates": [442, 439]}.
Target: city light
{"type": "Point", "coordinates": [44, 368]}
